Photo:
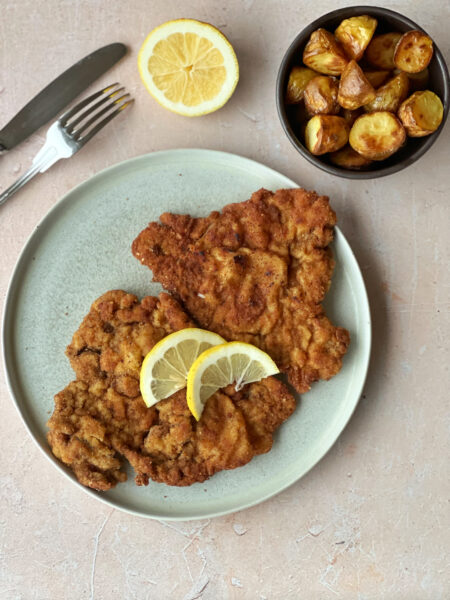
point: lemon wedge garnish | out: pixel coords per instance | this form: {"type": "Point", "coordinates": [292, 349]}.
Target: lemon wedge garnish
{"type": "Point", "coordinates": [165, 368]}
{"type": "Point", "coordinates": [221, 365]}
{"type": "Point", "coordinates": [188, 66]}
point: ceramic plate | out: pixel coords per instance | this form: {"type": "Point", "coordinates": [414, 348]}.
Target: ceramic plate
{"type": "Point", "coordinates": [82, 249]}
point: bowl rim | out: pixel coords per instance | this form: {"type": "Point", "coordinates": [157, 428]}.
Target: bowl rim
{"type": "Point", "coordinates": [347, 12]}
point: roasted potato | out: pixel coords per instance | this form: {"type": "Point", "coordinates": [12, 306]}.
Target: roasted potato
{"type": "Point", "coordinates": [324, 54]}
{"type": "Point", "coordinates": [354, 89]}
{"type": "Point", "coordinates": [355, 33]}
{"type": "Point", "coordinates": [390, 95]}
{"type": "Point", "coordinates": [321, 96]}
{"type": "Point", "coordinates": [298, 79]}
{"type": "Point", "coordinates": [326, 133]}
{"type": "Point", "coordinates": [377, 78]}
{"type": "Point", "coordinates": [421, 113]}
{"type": "Point", "coordinates": [413, 52]}
{"type": "Point", "coordinates": [377, 135]}
{"type": "Point", "coordinates": [380, 51]}
{"type": "Point", "coordinates": [348, 158]}
{"type": "Point", "coordinates": [351, 115]}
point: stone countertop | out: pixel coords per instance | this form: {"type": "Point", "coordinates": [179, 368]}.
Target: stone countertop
{"type": "Point", "coordinates": [372, 519]}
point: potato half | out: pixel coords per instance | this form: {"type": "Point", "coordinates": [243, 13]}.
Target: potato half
{"type": "Point", "coordinates": [421, 113]}
{"type": "Point", "coordinates": [355, 34]}
{"type": "Point", "coordinates": [413, 52]}
{"type": "Point", "coordinates": [354, 88]}
{"type": "Point", "coordinates": [390, 95]}
{"type": "Point", "coordinates": [347, 158]}
{"type": "Point", "coordinates": [377, 78]}
{"type": "Point", "coordinates": [326, 133]}
{"type": "Point", "coordinates": [324, 54]}
{"type": "Point", "coordinates": [380, 51]}
{"type": "Point", "coordinates": [298, 80]}
{"type": "Point", "coordinates": [321, 96]}
{"type": "Point", "coordinates": [377, 135]}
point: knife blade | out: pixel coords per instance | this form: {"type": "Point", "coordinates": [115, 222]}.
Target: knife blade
{"type": "Point", "coordinates": [58, 94]}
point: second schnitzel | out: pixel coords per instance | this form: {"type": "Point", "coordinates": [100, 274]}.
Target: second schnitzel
{"type": "Point", "coordinates": [100, 417]}
{"type": "Point", "coordinates": [256, 272]}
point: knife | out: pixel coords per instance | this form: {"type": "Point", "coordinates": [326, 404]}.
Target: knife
{"type": "Point", "coordinates": [60, 92]}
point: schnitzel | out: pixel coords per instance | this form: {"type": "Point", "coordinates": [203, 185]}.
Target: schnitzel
{"type": "Point", "coordinates": [100, 417]}
{"type": "Point", "coordinates": [102, 408]}
{"type": "Point", "coordinates": [256, 272]}
{"type": "Point", "coordinates": [234, 427]}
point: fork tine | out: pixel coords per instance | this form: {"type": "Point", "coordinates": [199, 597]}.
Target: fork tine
{"type": "Point", "coordinates": [71, 126]}
{"type": "Point", "coordinates": [105, 121]}
{"type": "Point", "coordinates": [66, 116]}
{"type": "Point", "coordinates": [96, 116]}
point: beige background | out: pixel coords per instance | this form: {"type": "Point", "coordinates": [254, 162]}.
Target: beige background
{"type": "Point", "coordinates": [372, 519]}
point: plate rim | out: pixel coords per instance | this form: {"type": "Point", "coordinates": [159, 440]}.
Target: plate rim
{"type": "Point", "coordinates": [6, 326]}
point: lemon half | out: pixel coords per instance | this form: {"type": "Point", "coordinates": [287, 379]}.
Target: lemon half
{"type": "Point", "coordinates": [165, 368]}
{"type": "Point", "coordinates": [221, 365]}
{"type": "Point", "coordinates": [188, 66]}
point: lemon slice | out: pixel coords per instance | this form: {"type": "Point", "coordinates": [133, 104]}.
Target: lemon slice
{"type": "Point", "coordinates": [221, 365]}
{"type": "Point", "coordinates": [165, 368]}
{"type": "Point", "coordinates": [188, 66]}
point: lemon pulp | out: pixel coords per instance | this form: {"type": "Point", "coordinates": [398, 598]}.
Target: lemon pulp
{"type": "Point", "coordinates": [188, 66]}
{"type": "Point", "coordinates": [165, 368]}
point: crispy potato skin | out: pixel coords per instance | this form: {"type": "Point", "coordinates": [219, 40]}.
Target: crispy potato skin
{"type": "Point", "coordinates": [390, 95]}
{"type": "Point", "coordinates": [355, 33]}
{"type": "Point", "coordinates": [326, 133]}
{"type": "Point", "coordinates": [380, 51]}
{"type": "Point", "coordinates": [321, 96]}
{"type": "Point", "coordinates": [324, 54]}
{"type": "Point", "coordinates": [377, 78]}
{"type": "Point", "coordinates": [413, 52]}
{"type": "Point", "coordinates": [347, 158]}
{"type": "Point", "coordinates": [298, 79]}
{"type": "Point", "coordinates": [377, 135]}
{"type": "Point", "coordinates": [421, 113]}
{"type": "Point", "coordinates": [354, 88]}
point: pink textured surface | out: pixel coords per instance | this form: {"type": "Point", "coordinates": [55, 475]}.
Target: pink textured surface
{"type": "Point", "coordinates": [372, 520]}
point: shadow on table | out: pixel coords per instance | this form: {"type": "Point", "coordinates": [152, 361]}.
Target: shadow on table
{"type": "Point", "coordinates": [373, 279]}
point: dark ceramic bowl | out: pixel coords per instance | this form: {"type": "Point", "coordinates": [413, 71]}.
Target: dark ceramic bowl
{"type": "Point", "coordinates": [388, 20]}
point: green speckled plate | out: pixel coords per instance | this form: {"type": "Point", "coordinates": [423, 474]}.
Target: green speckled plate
{"type": "Point", "coordinates": [82, 249]}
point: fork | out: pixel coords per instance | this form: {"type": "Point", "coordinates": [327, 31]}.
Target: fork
{"type": "Point", "coordinates": [72, 131]}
